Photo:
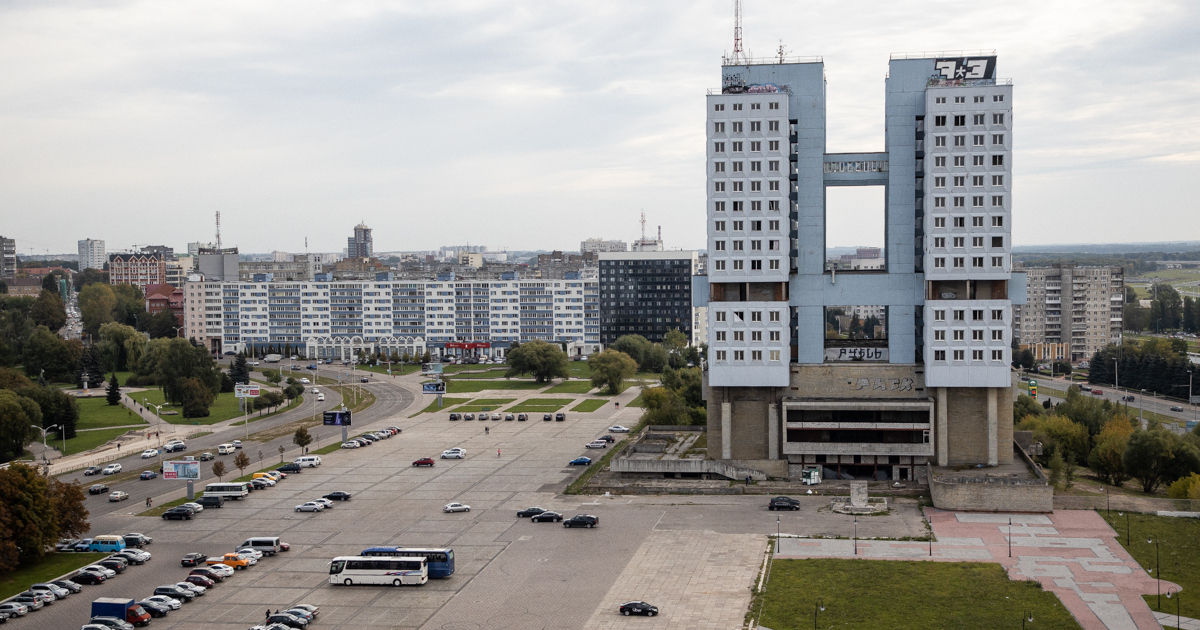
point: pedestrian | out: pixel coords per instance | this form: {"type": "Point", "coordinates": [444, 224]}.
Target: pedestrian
{"type": "Point", "coordinates": [618, 404]}
{"type": "Point", "coordinates": [118, 446]}
{"type": "Point", "coordinates": [268, 613]}
{"type": "Point", "coordinates": [487, 430]}
{"type": "Point", "coordinates": [497, 452]}
{"type": "Point", "coordinates": [747, 480]}
{"type": "Point", "coordinates": [148, 502]}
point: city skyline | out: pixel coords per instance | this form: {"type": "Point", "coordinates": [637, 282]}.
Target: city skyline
{"type": "Point", "coordinates": [574, 117]}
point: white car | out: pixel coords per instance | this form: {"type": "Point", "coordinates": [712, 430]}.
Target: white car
{"type": "Point", "coordinates": [250, 560]}
{"type": "Point", "coordinates": [323, 501]}
{"type": "Point", "coordinates": [351, 444]}
{"type": "Point", "coordinates": [112, 469]}
{"type": "Point", "coordinates": [304, 381]}
{"type": "Point", "coordinates": [138, 553]}
{"type": "Point", "coordinates": [105, 571]}
{"type": "Point", "coordinates": [311, 506]}
{"type": "Point", "coordinates": [315, 390]}
{"type": "Point", "coordinates": [149, 453]}
{"type": "Point", "coordinates": [169, 602]}
{"type": "Point", "coordinates": [249, 551]}
{"type": "Point", "coordinates": [320, 397]}
{"type": "Point", "coordinates": [456, 507]}
{"type": "Point", "coordinates": [196, 507]}
{"type": "Point", "coordinates": [236, 443]}
{"type": "Point", "coordinates": [224, 569]}
{"type": "Point", "coordinates": [596, 444]}
{"type": "Point", "coordinates": [454, 453]}
{"type": "Point", "coordinates": [616, 428]}
{"type": "Point", "coordinates": [195, 588]}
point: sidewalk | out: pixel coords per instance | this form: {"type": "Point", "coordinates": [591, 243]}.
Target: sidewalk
{"type": "Point", "coordinates": [1185, 623]}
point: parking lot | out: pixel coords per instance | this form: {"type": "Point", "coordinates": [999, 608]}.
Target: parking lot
{"type": "Point", "coordinates": [696, 557]}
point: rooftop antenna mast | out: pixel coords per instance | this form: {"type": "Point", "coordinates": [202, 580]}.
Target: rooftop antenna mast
{"type": "Point", "coordinates": [782, 52]}
{"type": "Point", "coordinates": [643, 225]}
{"type": "Point", "coordinates": [218, 229]}
{"type": "Point", "coordinates": [738, 55]}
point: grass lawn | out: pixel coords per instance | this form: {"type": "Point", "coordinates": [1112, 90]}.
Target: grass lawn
{"type": "Point", "coordinates": [488, 374]}
{"type": "Point", "coordinates": [397, 369]}
{"type": "Point", "coordinates": [96, 413]}
{"type": "Point", "coordinates": [571, 387]}
{"type": "Point", "coordinates": [292, 404]}
{"type": "Point", "coordinates": [88, 440]}
{"type": "Point", "coordinates": [472, 386]}
{"type": "Point", "coordinates": [898, 594]}
{"type": "Point", "coordinates": [224, 407]}
{"type": "Point", "coordinates": [579, 369]}
{"type": "Point", "coordinates": [540, 405]}
{"type": "Point", "coordinates": [485, 404]}
{"type": "Point", "coordinates": [1180, 549]}
{"type": "Point", "coordinates": [446, 403]}
{"type": "Point", "coordinates": [636, 402]}
{"type": "Point", "coordinates": [51, 566]}
{"type": "Point", "coordinates": [589, 406]}
{"type": "Point", "coordinates": [325, 450]}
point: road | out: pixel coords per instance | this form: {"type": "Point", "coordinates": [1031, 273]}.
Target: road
{"type": "Point", "coordinates": [1056, 388]}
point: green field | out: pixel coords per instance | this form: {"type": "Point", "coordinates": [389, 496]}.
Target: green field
{"type": "Point", "coordinates": [96, 413]}
{"type": "Point", "coordinates": [397, 369]}
{"type": "Point", "coordinates": [224, 407]}
{"type": "Point", "coordinates": [88, 440]}
{"type": "Point", "coordinates": [571, 387]}
{"type": "Point", "coordinates": [636, 402]}
{"type": "Point", "coordinates": [325, 450]}
{"type": "Point", "coordinates": [292, 404]}
{"type": "Point", "coordinates": [898, 595]}
{"type": "Point", "coordinates": [589, 406]}
{"type": "Point", "coordinates": [493, 374]}
{"type": "Point", "coordinates": [472, 386]}
{"type": "Point", "coordinates": [446, 404]}
{"type": "Point", "coordinates": [489, 404]}
{"type": "Point", "coordinates": [1179, 549]}
{"type": "Point", "coordinates": [52, 565]}
{"type": "Point", "coordinates": [540, 405]}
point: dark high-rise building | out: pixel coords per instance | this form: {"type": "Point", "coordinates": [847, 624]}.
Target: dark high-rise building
{"type": "Point", "coordinates": [360, 245]}
{"type": "Point", "coordinates": [646, 293]}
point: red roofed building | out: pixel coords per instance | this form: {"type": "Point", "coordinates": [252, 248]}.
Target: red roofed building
{"type": "Point", "coordinates": [160, 297]}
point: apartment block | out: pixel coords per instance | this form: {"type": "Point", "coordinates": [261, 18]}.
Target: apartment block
{"type": "Point", "coordinates": [138, 269]}
{"type": "Point", "coordinates": [595, 245]}
{"type": "Point", "coordinates": [8, 257]}
{"type": "Point", "coordinates": [1079, 309]}
{"type": "Point", "coordinates": [91, 254]}
{"type": "Point", "coordinates": [647, 293]}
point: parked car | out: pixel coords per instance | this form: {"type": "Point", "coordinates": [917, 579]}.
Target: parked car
{"type": "Point", "coordinates": [105, 571]}
{"type": "Point", "coordinates": [58, 591]}
{"type": "Point", "coordinates": [118, 495]}
{"type": "Point", "coordinates": [110, 622]}
{"type": "Point", "coordinates": [456, 507]}
{"type": "Point", "coordinates": [261, 484]}
{"type": "Point", "coordinates": [83, 545]}
{"type": "Point", "coordinates": [130, 557]}
{"type": "Point", "coordinates": [199, 580]}
{"type": "Point", "coordinates": [193, 559]}
{"type": "Point", "coordinates": [495, 416]}
{"type": "Point", "coordinates": [580, 461]}
{"type": "Point", "coordinates": [91, 470]}
{"type": "Point", "coordinates": [140, 540]}
{"type": "Point", "coordinates": [148, 474]}
{"type": "Point", "coordinates": [529, 511]}
{"type": "Point", "coordinates": [522, 417]}
{"type": "Point", "coordinates": [351, 444]}
{"type": "Point", "coordinates": [289, 620]}
{"type": "Point", "coordinates": [290, 467]}
{"type": "Point", "coordinates": [338, 496]}
{"type": "Point", "coordinates": [638, 608]}
{"type": "Point", "coordinates": [607, 438]}
{"type": "Point", "coordinates": [560, 416]}
{"type": "Point", "coordinates": [616, 428]}
{"type": "Point", "coordinates": [582, 520]}
{"type": "Point", "coordinates": [323, 501]}
{"type": "Point", "coordinates": [231, 560]}
{"type": "Point", "coordinates": [209, 573]}
{"type": "Point", "coordinates": [596, 444]}
{"type": "Point", "coordinates": [195, 589]}
{"type": "Point", "coordinates": [14, 609]}
{"type": "Point", "coordinates": [469, 416]}
{"type": "Point", "coordinates": [508, 417]}
{"type": "Point", "coordinates": [115, 564]}
{"type": "Point", "coordinates": [149, 453]}
{"type": "Point", "coordinates": [546, 517]}
{"type": "Point", "coordinates": [454, 453]}
{"type": "Point", "coordinates": [179, 513]}
{"type": "Point", "coordinates": [111, 469]}
{"type": "Point", "coordinates": [69, 585]}
{"type": "Point", "coordinates": [155, 609]}
{"type": "Point", "coordinates": [311, 506]}
{"type": "Point", "coordinates": [424, 461]}
{"type": "Point", "coordinates": [98, 488]}
{"type": "Point", "coordinates": [211, 502]}
{"type": "Point", "coordinates": [175, 592]}
{"type": "Point", "coordinates": [455, 417]}
{"type": "Point", "coordinates": [29, 601]}
{"type": "Point", "coordinates": [193, 506]}
{"type": "Point", "coordinates": [165, 600]}
{"type": "Point", "coordinates": [66, 544]}
{"type": "Point", "coordinates": [88, 577]}
{"type": "Point", "coordinates": [547, 417]}
{"type": "Point", "coordinates": [783, 503]}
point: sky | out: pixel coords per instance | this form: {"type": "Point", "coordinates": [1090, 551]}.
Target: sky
{"type": "Point", "coordinates": [533, 125]}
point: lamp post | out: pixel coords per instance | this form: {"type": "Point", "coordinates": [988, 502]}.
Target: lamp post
{"type": "Point", "coordinates": [818, 608]}
{"type": "Point", "coordinates": [44, 431]}
{"type": "Point", "coordinates": [1178, 618]}
{"type": "Point", "coordinates": [1153, 539]}
{"type": "Point", "coordinates": [1127, 540]}
{"type": "Point", "coordinates": [1027, 617]}
{"type": "Point", "coordinates": [1010, 537]}
{"type": "Point", "coordinates": [1141, 404]}
{"type": "Point", "coordinates": [856, 535]}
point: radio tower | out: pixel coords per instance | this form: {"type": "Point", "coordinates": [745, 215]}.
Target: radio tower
{"type": "Point", "coordinates": [643, 225]}
{"type": "Point", "coordinates": [218, 229]}
{"type": "Point", "coordinates": [738, 55]}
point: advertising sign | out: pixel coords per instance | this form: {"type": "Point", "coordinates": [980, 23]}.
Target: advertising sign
{"type": "Point", "coordinates": [431, 368]}
{"type": "Point", "coordinates": [244, 390]}
{"type": "Point", "coordinates": [337, 418]}
{"type": "Point", "coordinates": [468, 345]}
{"type": "Point", "coordinates": [434, 388]}
{"type": "Point", "coordinates": [966, 68]}
{"type": "Point", "coordinates": [857, 354]}
{"type": "Point", "coordinates": [181, 470]}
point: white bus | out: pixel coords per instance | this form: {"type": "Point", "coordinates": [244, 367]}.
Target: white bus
{"type": "Point", "coordinates": [227, 490]}
{"type": "Point", "coordinates": [351, 570]}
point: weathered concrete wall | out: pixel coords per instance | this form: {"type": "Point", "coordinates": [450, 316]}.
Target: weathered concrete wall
{"type": "Point", "coordinates": [967, 414]}
{"type": "Point", "coordinates": [765, 467]}
{"type": "Point", "coordinates": [991, 495]}
{"type": "Point", "coordinates": [749, 421]}
{"type": "Point", "coordinates": [857, 380]}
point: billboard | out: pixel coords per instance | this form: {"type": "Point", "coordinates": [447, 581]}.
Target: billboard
{"type": "Point", "coordinates": [243, 390]}
{"type": "Point", "coordinates": [434, 388]}
{"type": "Point", "coordinates": [181, 470]}
{"type": "Point", "coordinates": [337, 418]}
{"type": "Point", "coordinates": [966, 68]}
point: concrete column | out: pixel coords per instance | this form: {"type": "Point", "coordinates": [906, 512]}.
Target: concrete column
{"type": "Point", "coordinates": [726, 431]}
{"type": "Point", "coordinates": [773, 431]}
{"type": "Point", "coordinates": [942, 435]}
{"type": "Point", "coordinates": [993, 428]}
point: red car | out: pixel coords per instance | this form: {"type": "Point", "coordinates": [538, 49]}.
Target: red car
{"type": "Point", "coordinates": [208, 573]}
{"type": "Point", "coordinates": [284, 546]}
{"type": "Point", "coordinates": [424, 461]}
{"type": "Point", "coordinates": [199, 580]}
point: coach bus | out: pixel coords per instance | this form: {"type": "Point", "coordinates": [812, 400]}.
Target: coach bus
{"type": "Point", "coordinates": [441, 561]}
{"type": "Point", "coordinates": [228, 490]}
{"type": "Point", "coordinates": [351, 570]}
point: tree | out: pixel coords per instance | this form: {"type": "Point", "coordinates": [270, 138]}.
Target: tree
{"type": "Point", "coordinates": [1057, 467]}
{"type": "Point", "coordinates": [49, 311]}
{"type": "Point", "coordinates": [655, 360]}
{"type": "Point", "coordinates": [227, 384]}
{"type": "Point", "coordinates": [194, 396]}
{"type": "Point", "coordinates": [610, 368]}
{"type": "Point", "coordinates": [47, 351]}
{"type": "Point", "coordinates": [121, 347]}
{"type": "Point", "coordinates": [301, 438]}
{"type": "Point", "coordinates": [663, 406]}
{"type": "Point", "coordinates": [1157, 456]}
{"type": "Point", "coordinates": [1057, 433]}
{"type": "Point", "coordinates": [1062, 367]}
{"type": "Point", "coordinates": [96, 304]}
{"type": "Point", "coordinates": [114, 391]}
{"type": "Point", "coordinates": [1186, 488]}
{"type": "Point", "coordinates": [242, 461]}
{"type": "Point", "coordinates": [160, 324]}
{"type": "Point", "coordinates": [636, 346]}
{"type": "Point", "coordinates": [543, 360]}
{"type": "Point", "coordinates": [281, 450]}
{"type": "Point", "coordinates": [172, 361]}
{"type": "Point", "coordinates": [89, 276]}
{"type": "Point", "coordinates": [218, 470]}
{"type": "Point", "coordinates": [89, 364]}
{"type": "Point", "coordinates": [29, 517]}
{"type": "Point", "coordinates": [58, 408]}
{"type": "Point", "coordinates": [870, 325]}
{"type": "Point", "coordinates": [1107, 456]}
{"type": "Point", "coordinates": [18, 415]}
{"type": "Point", "coordinates": [239, 372]}
{"type": "Point", "coordinates": [70, 511]}
{"type": "Point", "coordinates": [50, 283]}
{"type": "Point", "coordinates": [1025, 406]}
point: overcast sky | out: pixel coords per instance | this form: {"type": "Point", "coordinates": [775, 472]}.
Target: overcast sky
{"type": "Point", "coordinates": [533, 125]}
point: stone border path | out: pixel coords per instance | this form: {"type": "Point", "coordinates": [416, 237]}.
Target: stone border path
{"type": "Point", "coordinates": [1074, 554]}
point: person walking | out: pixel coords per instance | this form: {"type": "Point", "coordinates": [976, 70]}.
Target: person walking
{"type": "Point", "coordinates": [148, 502]}
{"type": "Point", "coordinates": [497, 452]}
{"type": "Point", "coordinates": [268, 614]}
{"type": "Point", "coordinates": [487, 430]}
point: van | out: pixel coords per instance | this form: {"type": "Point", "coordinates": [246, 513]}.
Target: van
{"type": "Point", "coordinates": [308, 461]}
{"type": "Point", "coordinates": [225, 449]}
{"type": "Point", "coordinates": [262, 475]}
{"type": "Point", "coordinates": [269, 545]}
{"type": "Point", "coordinates": [107, 544]}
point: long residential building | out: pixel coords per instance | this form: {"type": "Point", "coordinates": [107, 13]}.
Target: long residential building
{"type": "Point", "coordinates": [138, 269]}
{"type": "Point", "coordinates": [1074, 310]}
{"type": "Point", "coordinates": [448, 317]}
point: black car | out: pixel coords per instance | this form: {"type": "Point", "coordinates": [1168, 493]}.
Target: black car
{"type": "Point", "coordinates": [638, 608]}
{"type": "Point", "coordinates": [136, 540]}
{"type": "Point", "coordinates": [607, 438]}
{"type": "Point", "coordinates": [455, 416]}
{"type": "Point", "coordinates": [291, 467]}
{"type": "Point", "coordinates": [171, 590]}
{"type": "Point", "coordinates": [547, 417]}
{"type": "Point", "coordinates": [1128, 398]}
{"type": "Point", "coordinates": [469, 416]}
{"type": "Point", "coordinates": [98, 489]}
{"type": "Point", "coordinates": [546, 517]}
{"type": "Point", "coordinates": [171, 448]}
{"type": "Point", "coordinates": [337, 496]}
{"type": "Point", "coordinates": [129, 558]}
{"type": "Point", "coordinates": [92, 470]}
{"type": "Point", "coordinates": [181, 513]}
{"type": "Point", "coordinates": [530, 511]}
{"type": "Point", "coordinates": [211, 502]}
{"type": "Point", "coordinates": [582, 520]}
{"type": "Point", "coordinates": [783, 503]}
{"type": "Point", "coordinates": [155, 609]}
{"type": "Point", "coordinates": [87, 577]}
{"type": "Point", "coordinates": [69, 585]}
{"type": "Point", "coordinates": [193, 559]}
{"type": "Point", "coordinates": [114, 563]}
{"type": "Point", "coordinates": [560, 416]}
{"type": "Point", "coordinates": [208, 573]}
{"type": "Point", "coordinates": [289, 620]}
{"type": "Point", "coordinates": [521, 417]}
{"type": "Point", "coordinates": [259, 484]}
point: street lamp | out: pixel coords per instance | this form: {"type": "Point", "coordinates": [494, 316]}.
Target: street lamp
{"type": "Point", "coordinates": [1153, 539]}
{"type": "Point", "coordinates": [856, 535]}
{"type": "Point", "coordinates": [818, 608]}
{"type": "Point", "coordinates": [44, 447]}
{"type": "Point", "coordinates": [1028, 616]}
{"type": "Point", "coordinates": [1177, 617]}
{"type": "Point", "coordinates": [177, 329]}
{"type": "Point", "coordinates": [1127, 540]}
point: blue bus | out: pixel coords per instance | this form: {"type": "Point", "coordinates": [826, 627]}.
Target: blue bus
{"type": "Point", "coordinates": [441, 561]}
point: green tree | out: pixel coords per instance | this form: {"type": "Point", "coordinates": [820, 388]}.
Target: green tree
{"type": "Point", "coordinates": [1186, 488]}
{"type": "Point", "coordinates": [172, 360]}
{"type": "Point", "coordinates": [1062, 367]}
{"type": "Point", "coordinates": [870, 325]}
{"type": "Point", "coordinates": [543, 360]}
{"type": "Point", "coordinates": [89, 364]}
{"type": "Point", "coordinates": [130, 304]}
{"type": "Point", "coordinates": [121, 347]}
{"type": "Point", "coordinates": [1107, 456]}
{"type": "Point", "coordinates": [636, 346]}
{"type": "Point", "coordinates": [1025, 406]}
{"type": "Point", "coordinates": [301, 438]}
{"type": "Point", "coordinates": [239, 371]}
{"type": "Point", "coordinates": [664, 407]}
{"type": "Point", "coordinates": [610, 368]}
{"type": "Point", "coordinates": [50, 283]}
{"type": "Point", "coordinates": [96, 304]}
{"type": "Point", "coordinates": [89, 276]}
{"type": "Point", "coordinates": [160, 324]}
{"type": "Point", "coordinates": [655, 360]}
{"type": "Point", "coordinates": [18, 415]}
{"type": "Point", "coordinates": [58, 407]}
{"type": "Point", "coordinates": [70, 511]}
{"type": "Point", "coordinates": [48, 311]}
{"type": "Point", "coordinates": [28, 516]}
{"type": "Point", "coordinates": [113, 395]}
{"type": "Point", "coordinates": [194, 395]}
{"type": "Point", "coordinates": [1057, 433]}
{"type": "Point", "coordinates": [1157, 456]}
{"type": "Point", "coordinates": [47, 351]}
{"type": "Point", "coordinates": [1057, 467]}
